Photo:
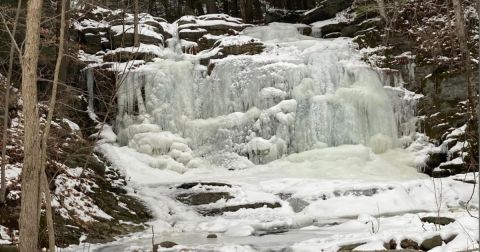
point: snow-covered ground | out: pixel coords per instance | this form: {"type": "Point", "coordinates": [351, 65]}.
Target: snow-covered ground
{"type": "Point", "coordinates": [305, 125]}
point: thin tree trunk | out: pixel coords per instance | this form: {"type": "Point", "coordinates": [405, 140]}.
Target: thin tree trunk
{"type": "Point", "coordinates": [381, 9]}
{"type": "Point", "coordinates": [246, 10]}
{"type": "Point", "coordinates": [211, 6]}
{"type": "Point", "coordinates": [43, 157]}
{"type": "Point", "coordinates": [462, 40]}
{"type": "Point", "coordinates": [28, 241]}
{"type": "Point", "coordinates": [136, 39]}
{"type": "Point", "coordinates": [234, 8]}
{"type": "Point", "coordinates": [3, 184]}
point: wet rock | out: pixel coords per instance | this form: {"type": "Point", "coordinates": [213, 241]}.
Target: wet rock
{"type": "Point", "coordinates": [333, 28]}
{"type": "Point", "coordinates": [409, 244]}
{"type": "Point", "coordinates": [167, 244]}
{"type": "Point", "coordinates": [190, 185]}
{"type": "Point", "coordinates": [202, 198]}
{"type": "Point", "coordinates": [218, 211]}
{"type": "Point", "coordinates": [434, 160]}
{"type": "Point", "coordinates": [438, 220]}
{"type": "Point", "coordinates": [392, 244]}
{"type": "Point", "coordinates": [350, 247]}
{"type": "Point", "coordinates": [333, 35]}
{"type": "Point", "coordinates": [304, 29]}
{"type": "Point", "coordinates": [212, 236]}
{"type": "Point", "coordinates": [431, 243]}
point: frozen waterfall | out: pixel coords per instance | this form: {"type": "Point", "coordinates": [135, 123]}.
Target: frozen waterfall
{"type": "Point", "coordinates": [301, 93]}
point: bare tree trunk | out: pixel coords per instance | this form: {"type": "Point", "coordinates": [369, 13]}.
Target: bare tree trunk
{"type": "Point", "coordinates": [3, 184]}
{"type": "Point", "coordinates": [462, 40]}
{"type": "Point", "coordinates": [246, 10]}
{"type": "Point", "coordinates": [28, 241]}
{"type": "Point", "coordinates": [136, 39]}
{"type": "Point", "coordinates": [381, 9]}
{"type": "Point", "coordinates": [51, 108]}
{"type": "Point", "coordinates": [212, 6]}
{"type": "Point", "coordinates": [234, 8]}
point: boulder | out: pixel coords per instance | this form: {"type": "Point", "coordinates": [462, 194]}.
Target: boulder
{"type": "Point", "coordinates": [438, 220]}
{"type": "Point", "coordinates": [431, 243]}
{"type": "Point", "coordinates": [164, 244]}
{"type": "Point", "coordinates": [392, 244]}
{"type": "Point", "coordinates": [211, 236]}
{"type": "Point", "coordinates": [409, 244]}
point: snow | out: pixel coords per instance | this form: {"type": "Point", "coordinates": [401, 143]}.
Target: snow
{"type": "Point", "coordinates": [236, 41]}
{"type": "Point", "coordinates": [73, 126]}
{"type": "Point", "coordinates": [143, 48]}
{"type": "Point", "coordinates": [4, 237]}
{"type": "Point", "coordinates": [457, 132]}
{"type": "Point", "coordinates": [143, 29]}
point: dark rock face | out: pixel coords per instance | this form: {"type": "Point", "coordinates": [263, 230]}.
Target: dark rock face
{"type": "Point", "coordinates": [290, 14]}
{"type": "Point", "coordinates": [282, 15]}
{"type": "Point", "coordinates": [125, 56]}
{"type": "Point", "coordinates": [327, 9]}
{"type": "Point", "coordinates": [126, 40]}
{"type": "Point", "coordinates": [431, 243]}
{"type": "Point", "coordinates": [438, 220]}
{"type": "Point", "coordinates": [251, 48]}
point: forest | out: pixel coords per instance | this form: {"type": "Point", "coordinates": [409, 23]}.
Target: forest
{"type": "Point", "coordinates": [239, 125]}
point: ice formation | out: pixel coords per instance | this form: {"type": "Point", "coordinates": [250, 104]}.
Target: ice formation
{"type": "Point", "coordinates": [299, 93]}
